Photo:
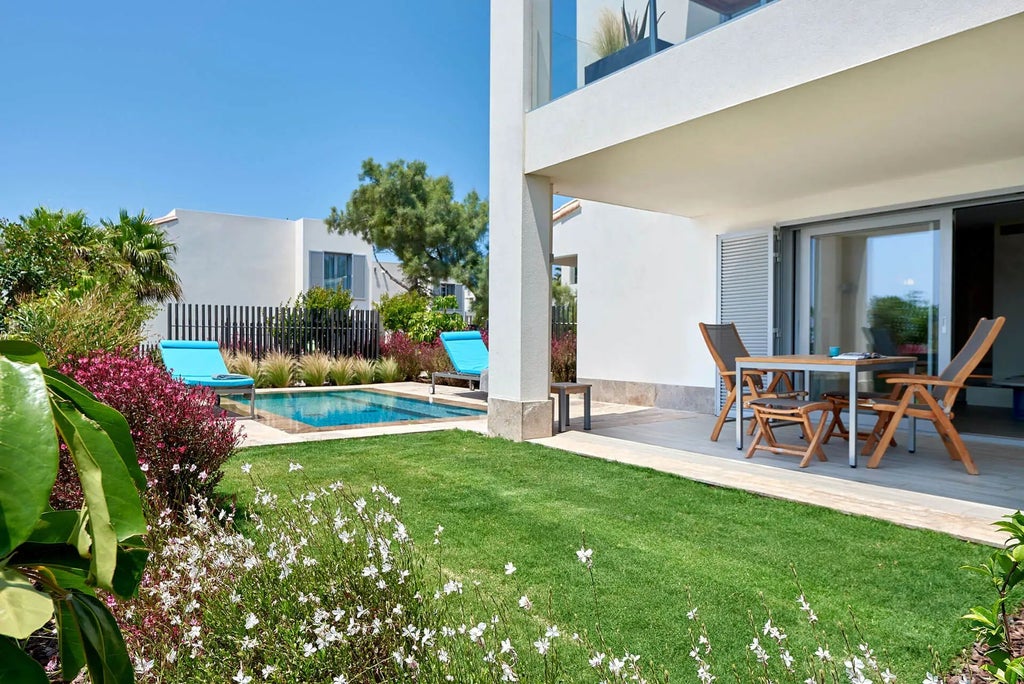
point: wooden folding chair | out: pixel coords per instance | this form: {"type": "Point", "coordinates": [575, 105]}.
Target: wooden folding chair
{"type": "Point", "coordinates": [767, 410]}
{"type": "Point", "coordinates": [932, 398]}
{"type": "Point", "coordinates": [725, 345]}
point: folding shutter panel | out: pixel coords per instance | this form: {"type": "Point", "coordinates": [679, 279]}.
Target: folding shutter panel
{"type": "Point", "coordinates": [745, 291]}
{"type": "Point", "coordinates": [316, 269]}
{"type": "Point", "coordinates": [359, 276]}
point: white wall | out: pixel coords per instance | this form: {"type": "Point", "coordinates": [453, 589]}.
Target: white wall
{"type": "Point", "coordinates": [228, 259]}
{"type": "Point", "coordinates": [250, 261]}
{"type": "Point", "coordinates": [645, 281]}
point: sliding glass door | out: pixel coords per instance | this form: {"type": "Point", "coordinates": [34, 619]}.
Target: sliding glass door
{"type": "Point", "coordinates": [880, 284]}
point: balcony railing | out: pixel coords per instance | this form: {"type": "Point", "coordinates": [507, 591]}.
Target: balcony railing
{"type": "Point", "coordinates": [581, 41]}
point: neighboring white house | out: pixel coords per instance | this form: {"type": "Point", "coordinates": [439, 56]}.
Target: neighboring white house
{"type": "Point", "coordinates": [251, 261]}
{"type": "Point", "coordinates": [787, 170]}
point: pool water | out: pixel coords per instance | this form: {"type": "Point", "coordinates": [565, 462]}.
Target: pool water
{"type": "Point", "coordinates": [343, 407]}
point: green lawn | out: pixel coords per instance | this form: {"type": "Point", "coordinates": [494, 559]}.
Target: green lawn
{"type": "Point", "coordinates": [655, 537]}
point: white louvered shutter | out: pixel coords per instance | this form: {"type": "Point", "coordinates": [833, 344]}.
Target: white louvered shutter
{"type": "Point", "coordinates": [316, 269]}
{"type": "Point", "coordinates": [745, 285]}
{"type": "Point", "coordinates": [359, 277]}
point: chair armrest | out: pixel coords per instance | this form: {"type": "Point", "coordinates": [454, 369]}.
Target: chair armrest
{"type": "Point", "coordinates": [902, 378]}
{"type": "Point", "coordinates": [924, 380]}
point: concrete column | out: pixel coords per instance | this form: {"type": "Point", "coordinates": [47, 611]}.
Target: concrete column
{"type": "Point", "coordinates": [519, 404]}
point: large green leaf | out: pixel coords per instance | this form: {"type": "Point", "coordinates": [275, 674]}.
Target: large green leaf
{"type": "Point", "coordinates": [54, 527]}
{"type": "Point", "coordinates": [28, 451]}
{"type": "Point", "coordinates": [24, 352]}
{"type": "Point", "coordinates": [86, 442]}
{"type": "Point", "coordinates": [109, 419]}
{"type": "Point", "coordinates": [18, 666]}
{"type": "Point", "coordinates": [131, 563]}
{"type": "Point", "coordinates": [105, 652]}
{"type": "Point", "coordinates": [72, 650]}
{"type": "Point", "coordinates": [52, 557]}
{"type": "Point", "coordinates": [23, 609]}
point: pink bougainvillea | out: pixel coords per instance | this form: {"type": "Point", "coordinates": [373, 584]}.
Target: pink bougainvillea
{"type": "Point", "coordinates": [180, 441]}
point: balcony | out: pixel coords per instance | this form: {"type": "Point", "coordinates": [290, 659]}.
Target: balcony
{"type": "Point", "coordinates": [591, 39]}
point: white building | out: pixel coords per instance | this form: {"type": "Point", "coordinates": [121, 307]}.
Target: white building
{"type": "Point", "coordinates": [790, 170]}
{"type": "Point", "coordinates": [226, 259]}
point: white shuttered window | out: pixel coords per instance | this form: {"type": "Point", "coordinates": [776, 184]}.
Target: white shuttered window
{"type": "Point", "coordinates": [745, 276]}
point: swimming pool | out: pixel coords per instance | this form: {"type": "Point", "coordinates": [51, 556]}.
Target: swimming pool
{"type": "Point", "coordinates": [347, 407]}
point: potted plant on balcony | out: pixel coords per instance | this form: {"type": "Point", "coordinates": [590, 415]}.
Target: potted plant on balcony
{"type": "Point", "coordinates": [620, 41]}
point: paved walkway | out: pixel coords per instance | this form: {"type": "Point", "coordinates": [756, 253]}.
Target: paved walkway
{"type": "Point", "coordinates": [925, 490]}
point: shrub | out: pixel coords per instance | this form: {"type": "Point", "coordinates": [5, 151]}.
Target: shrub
{"type": "Point", "coordinates": [405, 352]}
{"type": "Point", "coordinates": [426, 325]}
{"type": "Point", "coordinates": [180, 442]}
{"type": "Point", "coordinates": [396, 311]}
{"type": "Point", "coordinates": [314, 369]}
{"type": "Point", "coordinates": [342, 372]}
{"type": "Point", "coordinates": [320, 298]}
{"type": "Point", "coordinates": [434, 358]}
{"type": "Point", "coordinates": [563, 358]}
{"type": "Point", "coordinates": [277, 370]}
{"type": "Point", "coordinates": [66, 327]}
{"type": "Point", "coordinates": [243, 363]}
{"type": "Point", "coordinates": [388, 370]}
{"type": "Point", "coordinates": [364, 370]}
{"type": "Point", "coordinates": [55, 561]}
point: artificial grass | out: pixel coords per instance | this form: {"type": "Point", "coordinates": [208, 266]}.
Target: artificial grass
{"type": "Point", "coordinates": [656, 539]}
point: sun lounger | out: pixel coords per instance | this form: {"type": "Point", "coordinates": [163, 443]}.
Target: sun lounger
{"type": "Point", "coordinates": [199, 362]}
{"type": "Point", "coordinates": [469, 357]}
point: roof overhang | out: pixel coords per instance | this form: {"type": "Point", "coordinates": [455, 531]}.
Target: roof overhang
{"type": "Point", "coordinates": [955, 102]}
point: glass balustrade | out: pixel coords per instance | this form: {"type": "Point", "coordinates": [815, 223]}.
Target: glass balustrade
{"type": "Point", "coordinates": [577, 42]}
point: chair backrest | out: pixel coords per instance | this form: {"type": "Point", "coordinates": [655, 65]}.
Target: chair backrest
{"type": "Point", "coordinates": [192, 358]}
{"type": "Point", "coordinates": [881, 341]}
{"type": "Point", "coordinates": [467, 351]}
{"type": "Point", "coordinates": [968, 358]}
{"type": "Point", "coordinates": [725, 345]}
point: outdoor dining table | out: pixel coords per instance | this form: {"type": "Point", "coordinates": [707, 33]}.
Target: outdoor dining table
{"type": "Point", "coordinates": [820, 363]}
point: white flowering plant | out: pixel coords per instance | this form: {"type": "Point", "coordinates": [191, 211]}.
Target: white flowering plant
{"type": "Point", "coordinates": [328, 585]}
{"type": "Point", "coordinates": [844, 657]}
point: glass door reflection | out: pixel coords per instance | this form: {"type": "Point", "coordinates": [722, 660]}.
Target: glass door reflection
{"type": "Point", "coordinates": [877, 290]}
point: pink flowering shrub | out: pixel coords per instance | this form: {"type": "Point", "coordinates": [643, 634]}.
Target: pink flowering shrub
{"type": "Point", "coordinates": [563, 358]}
{"type": "Point", "coordinates": [414, 357]}
{"type": "Point", "coordinates": [180, 441]}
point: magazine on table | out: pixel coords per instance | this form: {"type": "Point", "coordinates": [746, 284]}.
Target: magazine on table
{"type": "Point", "coordinates": [857, 356]}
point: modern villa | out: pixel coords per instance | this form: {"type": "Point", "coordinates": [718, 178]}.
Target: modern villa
{"type": "Point", "coordinates": [822, 174]}
{"type": "Point", "coordinates": [227, 259]}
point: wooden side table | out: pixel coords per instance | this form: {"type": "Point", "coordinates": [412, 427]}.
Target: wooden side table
{"type": "Point", "coordinates": [563, 390]}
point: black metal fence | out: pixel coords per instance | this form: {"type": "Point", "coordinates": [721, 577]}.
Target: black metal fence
{"type": "Point", "coordinates": [563, 320]}
{"type": "Point", "coordinates": [259, 330]}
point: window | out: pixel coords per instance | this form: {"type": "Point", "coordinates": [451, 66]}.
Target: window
{"type": "Point", "coordinates": [337, 271]}
{"type": "Point", "coordinates": [447, 290]}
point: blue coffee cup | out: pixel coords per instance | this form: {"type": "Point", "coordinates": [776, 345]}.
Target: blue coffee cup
{"type": "Point", "coordinates": [833, 351]}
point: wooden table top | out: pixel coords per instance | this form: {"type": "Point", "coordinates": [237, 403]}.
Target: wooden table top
{"type": "Point", "coordinates": [823, 360]}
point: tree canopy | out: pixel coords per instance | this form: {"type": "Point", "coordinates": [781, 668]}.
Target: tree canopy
{"type": "Point", "coordinates": [401, 208]}
{"type": "Point", "coordinates": [53, 263]}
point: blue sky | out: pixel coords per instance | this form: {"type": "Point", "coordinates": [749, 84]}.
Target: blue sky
{"type": "Point", "coordinates": [260, 108]}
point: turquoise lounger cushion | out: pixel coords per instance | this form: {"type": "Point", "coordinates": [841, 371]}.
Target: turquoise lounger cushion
{"type": "Point", "coordinates": [467, 351]}
{"type": "Point", "coordinates": [197, 362]}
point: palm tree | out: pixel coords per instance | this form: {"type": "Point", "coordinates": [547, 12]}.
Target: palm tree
{"type": "Point", "coordinates": [145, 255]}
